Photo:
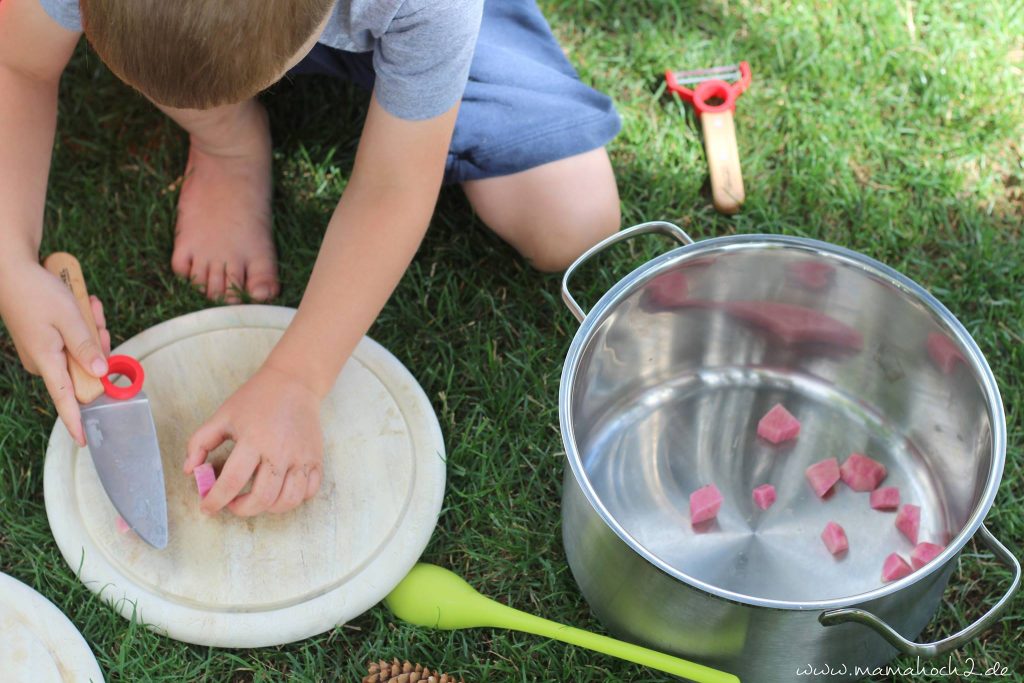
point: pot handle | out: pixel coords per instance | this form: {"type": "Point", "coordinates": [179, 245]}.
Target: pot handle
{"type": "Point", "coordinates": [664, 227]}
{"type": "Point", "coordinates": [939, 647]}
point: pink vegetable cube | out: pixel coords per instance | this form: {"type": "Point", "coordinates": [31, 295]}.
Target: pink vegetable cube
{"type": "Point", "coordinates": [122, 526]}
{"type": "Point", "coordinates": [764, 496]}
{"type": "Point", "coordinates": [861, 473]}
{"type": "Point", "coordinates": [943, 352]}
{"type": "Point", "coordinates": [669, 290]}
{"type": "Point", "coordinates": [704, 504]}
{"type": "Point", "coordinates": [778, 425]}
{"type": "Point", "coordinates": [205, 478]}
{"type": "Point", "coordinates": [835, 538]}
{"type": "Point", "coordinates": [923, 553]}
{"type": "Point", "coordinates": [823, 475]}
{"type": "Point", "coordinates": [908, 520]}
{"type": "Point", "coordinates": [885, 498]}
{"type": "Point", "coordinates": [895, 567]}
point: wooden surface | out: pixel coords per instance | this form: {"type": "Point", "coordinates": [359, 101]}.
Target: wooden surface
{"type": "Point", "coordinates": [727, 192]}
{"type": "Point", "coordinates": [66, 267]}
{"type": "Point", "coordinates": [250, 582]}
{"type": "Point", "coordinates": [37, 642]}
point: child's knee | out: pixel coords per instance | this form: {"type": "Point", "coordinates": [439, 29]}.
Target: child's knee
{"type": "Point", "coordinates": [560, 238]}
{"type": "Point", "coordinates": [552, 213]}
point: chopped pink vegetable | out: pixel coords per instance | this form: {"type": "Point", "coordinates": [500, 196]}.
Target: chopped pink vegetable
{"type": "Point", "coordinates": [205, 478]}
{"type": "Point", "coordinates": [823, 476]}
{"type": "Point", "coordinates": [943, 352]}
{"type": "Point", "coordinates": [778, 425]}
{"type": "Point", "coordinates": [669, 290]}
{"type": "Point", "coordinates": [885, 498]}
{"type": "Point", "coordinates": [796, 324]}
{"type": "Point", "coordinates": [908, 520]}
{"type": "Point", "coordinates": [811, 274]}
{"type": "Point", "coordinates": [122, 526]}
{"type": "Point", "coordinates": [704, 504]}
{"type": "Point", "coordinates": [764, 496]}
{"type": "Point", "coordinates": [835, 538]}
{"type": "Point", "coordinates": [923, 553]}
{"type": "Point", "coordinates": [895, 567]}
{"type": "Point", "coordinates": [861, 473]}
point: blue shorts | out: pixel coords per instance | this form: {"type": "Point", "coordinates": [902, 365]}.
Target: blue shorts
{"type": "Point", "coordinates": [524, 104]}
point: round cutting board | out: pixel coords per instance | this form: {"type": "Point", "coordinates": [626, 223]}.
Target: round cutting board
{"type": "Point", "coordinates": [37, 642]}
{"type": "Point", "coordinates": [253, 582]}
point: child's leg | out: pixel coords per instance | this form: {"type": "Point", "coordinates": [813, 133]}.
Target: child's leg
{"type": "Point", "coordinates": [222, 239]}
{"type": "Point", "coordinates": [529, 142]}
{"type": "Point", "coordinates": [554, 212]}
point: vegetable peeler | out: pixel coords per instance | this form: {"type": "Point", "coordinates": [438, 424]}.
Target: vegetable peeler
{"type": "Point", "coordinates": [118, 425]}
{"type": "Point", "coordinates": [714, 101]}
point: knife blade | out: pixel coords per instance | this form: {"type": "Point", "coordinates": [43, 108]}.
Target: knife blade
{"type": "Point", "coordinates": [120, 433]}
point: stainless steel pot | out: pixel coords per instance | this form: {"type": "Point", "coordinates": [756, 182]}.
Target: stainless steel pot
{"type": "Point", "coordinates": [660, 394]}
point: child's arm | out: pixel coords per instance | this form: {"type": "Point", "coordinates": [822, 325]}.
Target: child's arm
{"type": "Point", "coordinates": [381, 218]}
{"type": "Point", "coordinates": [39, 312]}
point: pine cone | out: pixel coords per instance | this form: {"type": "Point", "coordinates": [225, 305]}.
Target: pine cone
{"type": "Point", "coordinates": [382, 672]}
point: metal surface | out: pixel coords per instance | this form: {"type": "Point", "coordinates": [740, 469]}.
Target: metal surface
{"type": "Point", "coordinates": [730, 72]}
{"type": "Point", "coordinates": [660, 394]}
{"type": "Point", "coordinates": [124, 448]}
{"type": "Point", "coordinates": [907, 647]}
{"type": "Point", "coordinates": [662, 227]}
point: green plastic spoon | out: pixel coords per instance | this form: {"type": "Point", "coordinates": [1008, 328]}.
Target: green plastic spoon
{"type": "Point", "coordinates": [434, 597]}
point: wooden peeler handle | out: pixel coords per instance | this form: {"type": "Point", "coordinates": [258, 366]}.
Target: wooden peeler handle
{"type": "Point", "coordinates": [723, 161]}
{"type": "Point", "coordinates": [66, 267]}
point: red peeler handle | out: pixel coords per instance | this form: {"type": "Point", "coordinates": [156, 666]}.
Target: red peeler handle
{"type": "Point", "coordinates": [130, 368]}
{"type": "Point", "coordinates": [712, 89]}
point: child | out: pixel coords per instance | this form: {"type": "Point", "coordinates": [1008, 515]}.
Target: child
{"type": "Point", "coordinates": [527, 148]}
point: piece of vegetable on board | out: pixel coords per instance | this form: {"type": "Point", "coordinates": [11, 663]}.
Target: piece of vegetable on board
{"type": "Point", "coordinates": [205, 478]}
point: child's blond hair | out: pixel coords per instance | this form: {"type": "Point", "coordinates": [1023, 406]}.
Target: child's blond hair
{"type": "Point", "coordinates": [197, 54]}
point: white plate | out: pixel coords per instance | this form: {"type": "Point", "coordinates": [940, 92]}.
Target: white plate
{"type": "Point", "coordinates": [38, 644]}
{"type": "Point", "coordinates": [255, 582]}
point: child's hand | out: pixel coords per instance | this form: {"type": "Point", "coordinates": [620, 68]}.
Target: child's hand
{"type": "Point", "coordinates": [274, 421]}
{"type": "Point", "coordinates": [45, 323]}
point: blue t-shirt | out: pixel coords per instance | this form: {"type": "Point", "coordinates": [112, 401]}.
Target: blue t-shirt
{"type": "Point", "coordinates": [421, 48]}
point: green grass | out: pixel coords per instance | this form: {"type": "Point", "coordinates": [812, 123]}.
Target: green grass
{"type": "Point", "coordinates": [893, 128]}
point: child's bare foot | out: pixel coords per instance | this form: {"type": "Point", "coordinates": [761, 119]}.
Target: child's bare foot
{"type": "Point", "coordinates": [222, 240]}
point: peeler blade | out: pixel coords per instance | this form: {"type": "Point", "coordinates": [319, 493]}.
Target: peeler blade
{"type": "Point", "coordinates": [730, 72]}
{"type": "Point", "coordinates": [124, 448]}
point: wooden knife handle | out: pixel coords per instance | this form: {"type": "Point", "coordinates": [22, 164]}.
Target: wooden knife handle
{"type": "Point", "coordinates": [723, 161]}
{"type": "Point", "coordinates": [66, 267]}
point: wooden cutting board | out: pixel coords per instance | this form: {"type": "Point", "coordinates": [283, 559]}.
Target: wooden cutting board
{"type": "Point", "coordinates": [252, 582]}
{"type": "Point", "coordinates": [38, 644]}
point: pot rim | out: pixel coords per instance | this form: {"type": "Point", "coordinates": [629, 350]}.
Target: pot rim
{"type": "Point", "coordinates": [657, 266]}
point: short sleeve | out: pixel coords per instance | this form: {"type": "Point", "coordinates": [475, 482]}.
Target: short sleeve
{"type": "Point", "coordinates": [422, 59]}
{"type": "Point", "coordinates": [64, 12]}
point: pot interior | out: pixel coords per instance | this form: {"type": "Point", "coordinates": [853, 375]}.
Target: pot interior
{"type": "Point", "coordinates": [678, 364]}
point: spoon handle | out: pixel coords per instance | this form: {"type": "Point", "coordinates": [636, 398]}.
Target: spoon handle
{"type": "Point", "coordinates": [513, 619]}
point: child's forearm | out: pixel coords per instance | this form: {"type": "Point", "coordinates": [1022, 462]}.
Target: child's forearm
{"type": "Point", "coordinates": [28, 117]}
{"type": "Point", "coordinates": [370, 241]}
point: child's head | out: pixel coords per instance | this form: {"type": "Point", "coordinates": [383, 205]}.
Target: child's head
{"type": "Point", "coordinates": [197, 54]}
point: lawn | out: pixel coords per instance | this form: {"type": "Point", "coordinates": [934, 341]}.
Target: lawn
{"type": "Point", "coordinates": [892, 128]}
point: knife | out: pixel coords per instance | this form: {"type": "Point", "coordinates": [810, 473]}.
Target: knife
{"type": "Point", "coordinates": [118, 423]}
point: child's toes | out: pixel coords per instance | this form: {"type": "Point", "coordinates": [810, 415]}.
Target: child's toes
{"type": "Point", "coordinates": [215, 282]}
{"type": "Point", "coordinates": [234, 283]}
{"type": "Point", "coordinates": [198, 274]}
{"type": "Point", "coordinates": [261, 279]}
{"type": "Point", "coordinates": [181, 262]}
